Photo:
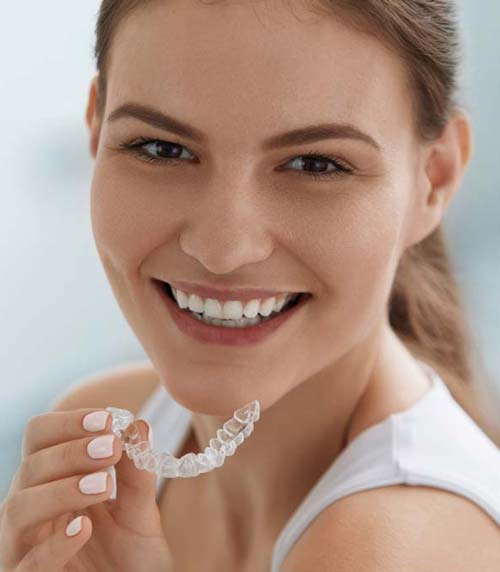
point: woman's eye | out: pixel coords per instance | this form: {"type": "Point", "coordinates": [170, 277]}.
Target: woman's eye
{"type": "Point", "coordinates": [317, 162]}
{"type": "Point", "coordinates": [156, 150]}
{"type": "Point", "coordinates": [167, 152]}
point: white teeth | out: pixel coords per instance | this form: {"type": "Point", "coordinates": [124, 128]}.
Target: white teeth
{"type": "Point", "coordinates": [243, 323]}
{"type": "Point", "coordinates": [232, 309]}
{"type": "Point", "coordinates": [267, 306]}
{"type": "Point", "coordinates": [213, 309]}
{"type": "Point", "coordinates": [181, 297]}
{"type": "Point", "coordinates": [280, 302]}
{"type": "Point", "coordinates": [195, 303]}
{"type": "Point", "coordinates": [251, 308]}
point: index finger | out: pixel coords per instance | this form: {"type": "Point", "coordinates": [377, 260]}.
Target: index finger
{"type": "Point", "coordinates": [54, 427]}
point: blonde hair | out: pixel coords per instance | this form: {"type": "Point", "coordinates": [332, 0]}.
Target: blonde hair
{"type": "Point", "coordinates": [425, 306]}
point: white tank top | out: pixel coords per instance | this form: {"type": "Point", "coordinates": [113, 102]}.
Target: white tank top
{"type": "Point", "coordinates": [433, 443]}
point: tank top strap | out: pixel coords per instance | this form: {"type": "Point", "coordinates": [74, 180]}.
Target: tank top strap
{"type": "Point", "coordinates": [417, 446]}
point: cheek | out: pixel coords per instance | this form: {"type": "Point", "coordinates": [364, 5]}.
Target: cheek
{"type": "Point", "coordinates": [125, 224]}
{"type": "Point", "coordinates": [352, 246]}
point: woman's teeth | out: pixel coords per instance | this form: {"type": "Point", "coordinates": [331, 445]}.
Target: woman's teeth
{"type": "Point", "coordinates": [241, 323]}
{"type": "Point", "coordinates": [233, 313]}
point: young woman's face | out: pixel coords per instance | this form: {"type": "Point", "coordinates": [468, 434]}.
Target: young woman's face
{"type": "Point", "coordinates": [234, 213]}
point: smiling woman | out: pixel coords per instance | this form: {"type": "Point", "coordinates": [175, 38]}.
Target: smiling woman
{"type": "Point", "coordinates": [357, 229]}
{"type": "Point", "coordinates": [367, 377]}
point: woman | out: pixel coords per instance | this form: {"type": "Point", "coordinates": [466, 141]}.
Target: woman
{"type": "Point", "coordinates": [316, 148]}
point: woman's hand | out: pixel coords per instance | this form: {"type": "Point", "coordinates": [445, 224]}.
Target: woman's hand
{"type": "Point", "coordinates": [123, 534]}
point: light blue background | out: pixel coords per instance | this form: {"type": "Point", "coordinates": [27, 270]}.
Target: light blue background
{"type": "Point", "coordinates": [59, 320]}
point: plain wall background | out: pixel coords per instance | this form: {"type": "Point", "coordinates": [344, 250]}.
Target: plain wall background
{"type": "Point", "coordinates": [59, 320]}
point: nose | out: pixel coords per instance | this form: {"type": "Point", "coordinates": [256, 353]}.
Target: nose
{"type": "Point", "coordinates": [227, 229]}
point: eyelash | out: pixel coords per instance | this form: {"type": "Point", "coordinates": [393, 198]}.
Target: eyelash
{"type": "Point", "coordinates": [136, 149]}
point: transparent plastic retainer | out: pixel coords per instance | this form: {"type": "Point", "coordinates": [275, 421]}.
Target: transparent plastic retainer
{"type": "Point", "coordinates": [229, 437]}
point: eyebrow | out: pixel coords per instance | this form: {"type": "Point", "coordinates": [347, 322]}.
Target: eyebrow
{"type": "Point", "coordinates": [298, 136]}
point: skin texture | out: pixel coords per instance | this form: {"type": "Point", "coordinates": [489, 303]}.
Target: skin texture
{"type": "Point", "coordinates": [233, 218]}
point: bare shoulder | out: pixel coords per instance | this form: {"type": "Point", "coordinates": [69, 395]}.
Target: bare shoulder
{"type": "Point", "coordinates": [397, 528]}
{"type": "Point", "coordinates": [127, 386]}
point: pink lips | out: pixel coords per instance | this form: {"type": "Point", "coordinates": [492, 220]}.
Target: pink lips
{"type": "Point", "coordinates": [207, 333]}
{"type": "Point", "coordinates": [244, 295]}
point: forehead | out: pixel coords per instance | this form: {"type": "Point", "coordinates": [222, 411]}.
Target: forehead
{"type": "Point", "coordinates": [249, 68]}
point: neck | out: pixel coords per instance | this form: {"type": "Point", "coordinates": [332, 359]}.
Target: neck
{"type": "Point", "coordinates": [298, 438]}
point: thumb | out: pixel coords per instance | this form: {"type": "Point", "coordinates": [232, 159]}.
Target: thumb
{"type": "Point", "coordinates": [135, 488]}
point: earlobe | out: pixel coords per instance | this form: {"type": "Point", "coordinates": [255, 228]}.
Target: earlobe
{"type": "Point", "coordinates": [437, 173]}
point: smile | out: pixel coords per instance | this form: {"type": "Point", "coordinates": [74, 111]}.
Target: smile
{"type": "Point", "coordinates": [257, 319]}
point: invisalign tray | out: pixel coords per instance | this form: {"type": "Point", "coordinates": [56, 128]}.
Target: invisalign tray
{"type": "Point", "coordinates": [231, 435]}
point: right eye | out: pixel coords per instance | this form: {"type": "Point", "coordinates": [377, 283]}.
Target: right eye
{"type": "Point", "coordinates": [167, 152]}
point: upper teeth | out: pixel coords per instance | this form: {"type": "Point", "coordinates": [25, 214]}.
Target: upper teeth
{"type": "Point", "coordinates": [232, 309]}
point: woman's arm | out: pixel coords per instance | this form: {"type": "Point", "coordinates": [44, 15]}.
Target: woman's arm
{"type": "Point", "coordinates": [397, 528]}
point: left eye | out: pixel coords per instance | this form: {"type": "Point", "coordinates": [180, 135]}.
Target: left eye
{"type": "Point", "coordinates": [313, 159]}
{"type": "Point", "coordinates": [166, 152]}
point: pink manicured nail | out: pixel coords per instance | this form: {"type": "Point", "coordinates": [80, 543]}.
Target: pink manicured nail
{"type": "Point", "coordinates": [101, 447]}
{"type": "Point", "coordinates": [94, 483]}
{"type": "Point", "coordinates": [95, 421]}
{"type": "Point", "coordinates": [74, 526]}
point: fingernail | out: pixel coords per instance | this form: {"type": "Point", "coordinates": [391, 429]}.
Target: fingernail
{"type": "Point", "coordinates": [74, 526]}
{"type": "Point", "coordinates": [101, 447]}
{"type": "Point", "coordinates": [95, 421]}
{"type": "Point", "coordinates": [94, 483]}
{"type": "Point", "coordinates": [150, 435]}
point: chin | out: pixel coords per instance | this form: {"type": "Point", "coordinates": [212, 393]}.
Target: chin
{"type": "Point", "coordinates": [214, 394]}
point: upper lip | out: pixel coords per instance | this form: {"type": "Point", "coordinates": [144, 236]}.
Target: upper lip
{"type": "Point", "coordinates": [215, 292]}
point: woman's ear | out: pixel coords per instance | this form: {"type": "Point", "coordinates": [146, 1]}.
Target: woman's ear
{"type": "Point", "coordinates": [91, 117]}
{"type": "Point", "coordinates": [440, 177]}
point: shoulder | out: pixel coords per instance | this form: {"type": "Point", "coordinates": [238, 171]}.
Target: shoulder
{"type": "Point", "coordinates": [127, 386]}
{"type": "Point", "coordinates": [397, 528]}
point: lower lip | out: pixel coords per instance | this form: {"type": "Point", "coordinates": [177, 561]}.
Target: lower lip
{"type": "Point", "coordinates": [207, 333]}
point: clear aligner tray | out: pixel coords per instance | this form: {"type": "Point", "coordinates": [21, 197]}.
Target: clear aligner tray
{"type": "Point", "coordinates": [229, 437]}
